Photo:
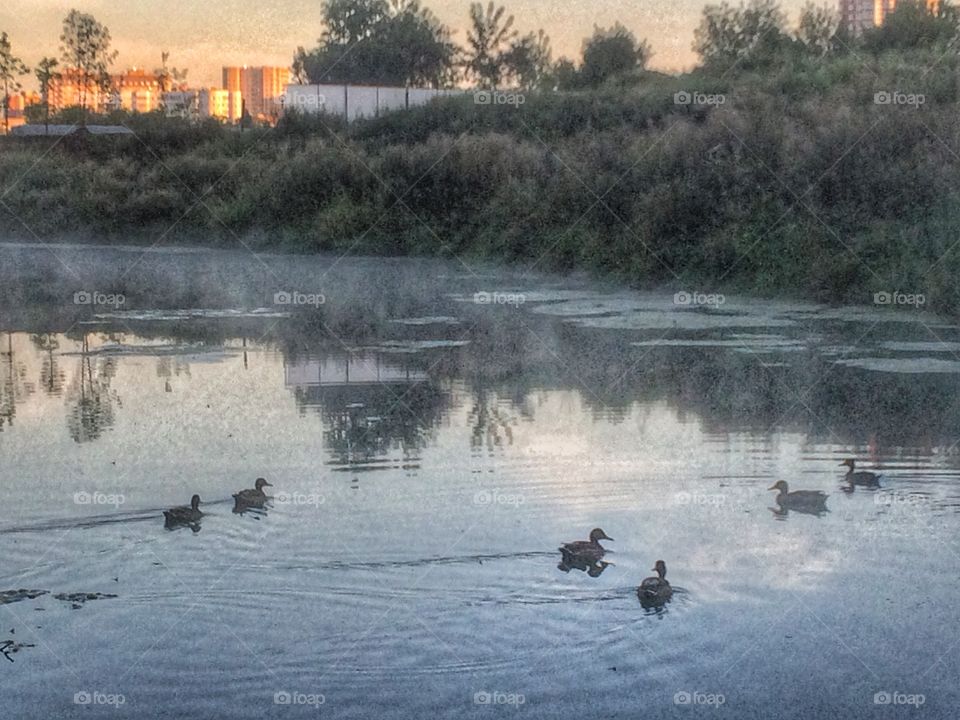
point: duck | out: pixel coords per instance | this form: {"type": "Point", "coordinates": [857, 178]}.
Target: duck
{"type": "Point", "coordinates": [590, 550]}
{"type": "Point", "coordinates": [798, 499]}
{"type": "Point", "coordinates": [656, 589]}
{"type": "Point", "coordinates": [184, 515]}
{"type": "Point", "coordinates": [862, 477]}
{"type": "Point", "coordinates": [255, 495]}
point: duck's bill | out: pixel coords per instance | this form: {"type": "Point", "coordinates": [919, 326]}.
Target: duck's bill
{"type": "Point", "coordinates": [772, 487]}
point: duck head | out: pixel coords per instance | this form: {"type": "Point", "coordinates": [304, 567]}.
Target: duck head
{"type": "Point", "coordinates": [660, 568]}
{"type": "Point", "coordinates": [780, 485]}
{"type": "Point", "coordinates": [261, 482]}
{"type": "Point", "coordinates": [598, 534]}
{"type": "Point", "coordinates": [195, 502]}
{"type": "Point", "coordinates": [849, 463]}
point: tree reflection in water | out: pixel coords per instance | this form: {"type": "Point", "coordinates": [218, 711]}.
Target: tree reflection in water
{"type": "Point", "coordinates": [89, 397]}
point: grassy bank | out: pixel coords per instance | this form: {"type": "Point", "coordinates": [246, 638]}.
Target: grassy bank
{"type": "Point", "coordinates": [798, 183]}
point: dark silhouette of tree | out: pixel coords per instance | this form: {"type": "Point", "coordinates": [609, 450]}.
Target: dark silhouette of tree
{"type": "Point", "coordinates": [46, 74]}
{"type": "Point", "coordinates": [612, 52]}
{"type": "Point", "coordinates": [914, 24]}
{"type": "Point", "coordinates": [85, 49]}
{"type": "Point", "coordinates": [489, 41]}
{"type": "Point", "coordinates": [817, 30]}
{"type": "Point", "coordinates": [11, 68]}
{"type": "Point", "coordinates": [750, 35]}
{"type": "Point", "coordinates": [379, 42]}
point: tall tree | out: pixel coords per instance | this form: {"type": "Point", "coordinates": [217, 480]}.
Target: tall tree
{"type": "Point", "coordinates": [528, 60]}
{"type": "Point", "coordinates": [379, 42]}
{"type": "Point", "coordinates": [751, 34]}
{"type": "Point", "coordinates": [169, 78]}
{"type": "Point", "coordinates": [611, 52]}
{"type": "Point", "coordinates": [489, 39]}
{"type": "Point", "coordinates": [46, 74]}
{"type": "Point", "coordinates": [915, 23]}
{"type": "Point", "coordinates": [11, 68]}
{"type": "Point", "coordinates": [85, 49]}
{"type": "Point", "coordinates": [817, 30]}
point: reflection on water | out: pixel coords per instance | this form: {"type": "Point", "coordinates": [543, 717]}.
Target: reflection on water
{"type": "Point", "coordinates": [429, 455]}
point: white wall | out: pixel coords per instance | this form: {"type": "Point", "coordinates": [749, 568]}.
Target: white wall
{"type": "Point", "coordinates": [357, 101]}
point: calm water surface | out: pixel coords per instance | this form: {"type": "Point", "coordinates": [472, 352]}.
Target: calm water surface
{"type": "Point", "coordinates": [429, 449]}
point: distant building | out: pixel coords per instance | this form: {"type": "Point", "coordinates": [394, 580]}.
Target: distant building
{"type": "Point", "coordinates": [17, 109]}
{"type": "Point", "coordinates": [137, 90]}
{"type": "Point", "coordinates": [68, 89]}
{"type": "Point", "coordinates": [220, 103]}
{"type": "Point", "coordinates": [262, 88]}
{"type": "Point", "coordinates": [860, 15]}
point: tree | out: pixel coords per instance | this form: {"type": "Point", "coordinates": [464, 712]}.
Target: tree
{"type": "Point", "coordinates": [379, 42]}
{"type": "Point", "coordinates": [85, 50]}
{"type": "Point", "coordinates": [489, 40]}
{"type": "Point", "coordinates": [611, 52]}
{"type": "Point", "coordinates": [46, 74]}
{"type": "Point", "coordinates": [169, 78]}
{"type": "Point", "coordinates": [752, 34]}
{"type": "Point", "coordinates": [914, 23]}
{"type": "Point", "coordinates": [298, 68]}
{"type": "Point", "coordinates": [817, 30]}
{"type": "Point", "coordinates": [565, 75]}
{"type": "Point", "coordinates": [527, 62]}
{"type": "Point", "coordinates": [11, 67]}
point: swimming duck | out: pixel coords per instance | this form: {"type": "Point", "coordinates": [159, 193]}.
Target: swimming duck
{"type": "Point", "coordinates": [798, 499]}
{"type": "Point", "coordinates": [656, 589]}
{"type": "Point", "coordinates": [254, 496]}
{"type": "Point", "coordinates": [184, 515]}
{"type": "Point", "coordinates": [862, 477]}
{"type": "Point", "coordinates": [590, 550]}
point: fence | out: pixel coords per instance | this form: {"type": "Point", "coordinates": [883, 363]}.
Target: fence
{"type": "Point", "coordinates": [357, 101]}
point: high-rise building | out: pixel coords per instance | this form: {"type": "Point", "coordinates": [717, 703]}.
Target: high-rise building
{"type": "Point", "coordinates": [860, 15]}
{"type": "Point", "coordinates": [69, 89]}
{"type": "Point", "coordinates": [137, 90]}
{"type": "Point", "coordinates": [262, 88]}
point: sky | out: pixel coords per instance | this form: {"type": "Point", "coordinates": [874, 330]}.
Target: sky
{"type": "Point", "coordinates": [203, 36]}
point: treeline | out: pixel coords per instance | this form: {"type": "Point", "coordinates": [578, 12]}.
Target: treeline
{"type": "Point", "coordinates": [827, 173]}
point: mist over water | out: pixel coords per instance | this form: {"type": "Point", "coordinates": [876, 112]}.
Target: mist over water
{"type": "Point", "coordinates": [433, 431]}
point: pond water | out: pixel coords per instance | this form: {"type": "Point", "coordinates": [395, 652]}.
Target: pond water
{"type": "Point", "coordinates": [433, 431]}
